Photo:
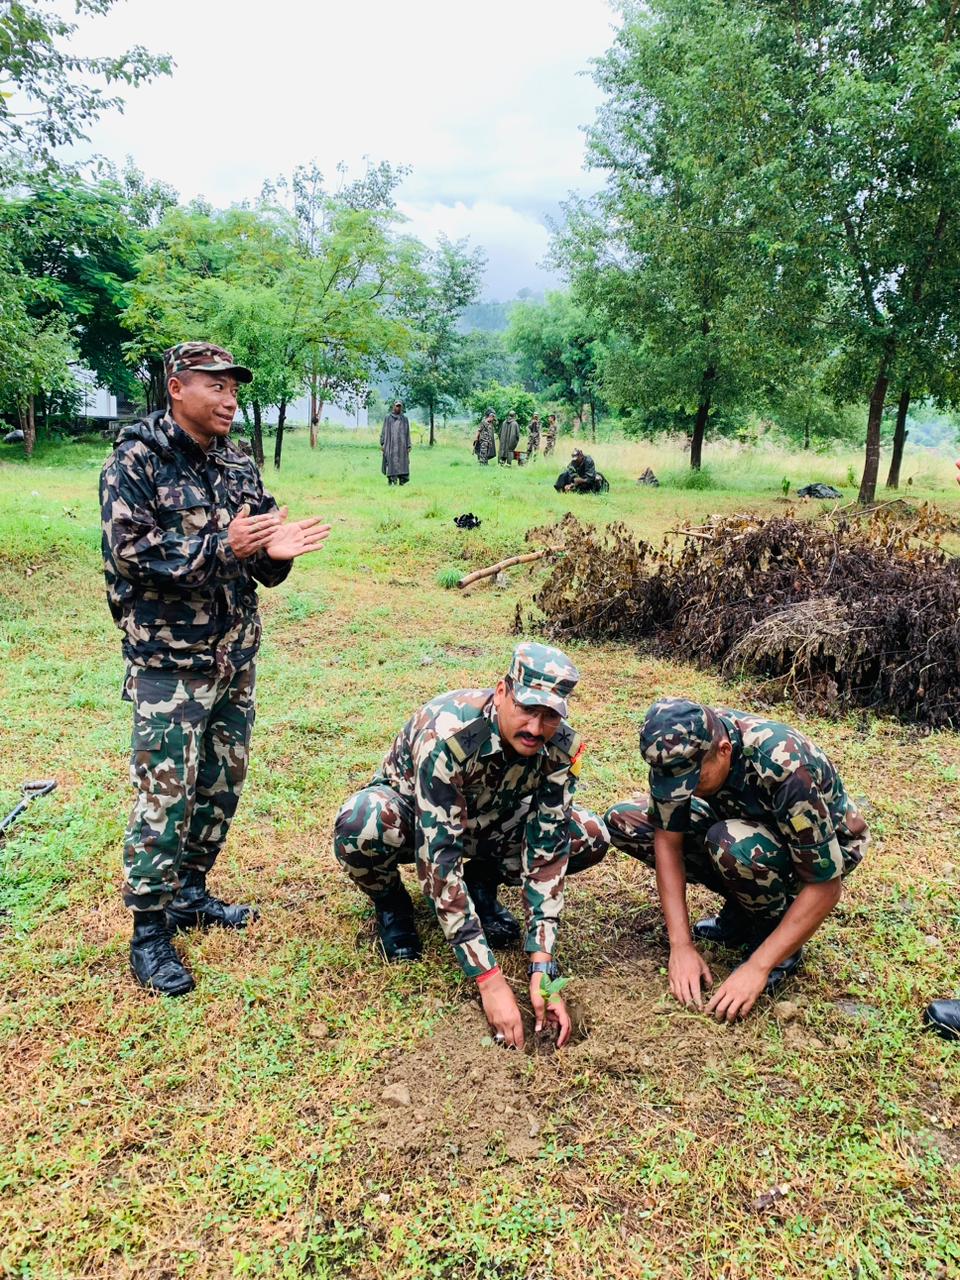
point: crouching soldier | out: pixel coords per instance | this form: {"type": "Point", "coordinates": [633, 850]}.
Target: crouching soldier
{"type": "Point", "coordinates": [755, 811]}
{"type": "Point", "coordinates": [477, 791]}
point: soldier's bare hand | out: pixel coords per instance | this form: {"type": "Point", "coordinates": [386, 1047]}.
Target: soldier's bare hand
{"type": "Point", "coordinates": [502, 1011]}
{"type": "Point", "coordinates": [249, 534]}
{"type": "Point", "coordinates": [737, 996]}
{"type": "Point", "coordinates": [297, 538]}
{"type": "Point", "coordinates": [555, 1011]}
{"type": "Point", "coordinates": [686, 971]}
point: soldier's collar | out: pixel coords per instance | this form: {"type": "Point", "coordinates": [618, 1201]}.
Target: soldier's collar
{"type": "Point", "coordinates": [182, 440]}
{"type": "Point", "coordinates": [217, 452]}
{"type": "Point", "coordinates": [494, 743]}
{"type": "Point", "coordinates": [738, 760]}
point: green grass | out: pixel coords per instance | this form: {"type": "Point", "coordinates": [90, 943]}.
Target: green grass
{"type": "Point", "coordinates": [239, 1132]}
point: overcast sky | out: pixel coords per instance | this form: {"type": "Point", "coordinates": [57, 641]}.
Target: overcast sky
{"type": "Point", "coordinates": [484, 100]}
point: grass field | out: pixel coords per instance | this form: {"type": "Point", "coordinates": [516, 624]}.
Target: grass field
{"type": "Point", "coordinates": [240, 1131]}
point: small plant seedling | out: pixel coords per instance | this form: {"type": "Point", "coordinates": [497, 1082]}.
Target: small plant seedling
{"type": "Point", "coordinates": [785, 486]}
{"type": "Point", "coordinates": [550, 988]}
{"type": "Point", "coordinates": [448, 577]}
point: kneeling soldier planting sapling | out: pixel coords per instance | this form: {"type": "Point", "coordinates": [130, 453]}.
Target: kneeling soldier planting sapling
{"type": "Point", "coordinates": [754, 810]}
{"type": "Point", "coordinates": [477, 790]}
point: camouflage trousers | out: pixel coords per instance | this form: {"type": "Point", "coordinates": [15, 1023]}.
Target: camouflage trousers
{"type": "Point", "coordinates": [191, 741]}
{"type": "Point", "coordinates": [374, 834]}
{"type": "Point", "coordinates": [743, 860]}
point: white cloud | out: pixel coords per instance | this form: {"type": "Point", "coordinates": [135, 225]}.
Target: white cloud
{"type": "Point", "coordinates": [485, 102]}
{"type": "Point", "coordinates": [515, 243]}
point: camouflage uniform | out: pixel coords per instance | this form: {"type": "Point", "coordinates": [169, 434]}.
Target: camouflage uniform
{"type": "Point", "coordinates": [551, 439]}
{"type": "Point", "coordinates": [451, 790]}
{"type": "Point", "coordinates": [485, 444]}
{"type": "Point", "coordinates": [187, 608]}
{"type": "Point", "coordinates": [533, 437]}
{"type": "Point", "coordinates": [781, 820]}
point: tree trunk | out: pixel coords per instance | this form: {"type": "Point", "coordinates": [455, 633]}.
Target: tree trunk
{"type": "Point", "coordinates": [593, 422]}
{"type": "Point", "coordinates": [315, 408]}
{"type": "Point", "coordinates": [257, 433]}
{"type": "Point", "coordinates": [703, 413]}
{"type": "Point", "coordinates": [431, 426]}
{"type": "Point", "coordinates": [696, 440]}
{"type": "Point", "coordinates": [28, 424]}
{"type": "Point", "coordinates": [278, 446]}
{"type": "Point", "coordinates": [899, 440]}
{"type": "Point", "coordinates": [871, 464]}
{"type": "Point", "coordinates": [806, 432]}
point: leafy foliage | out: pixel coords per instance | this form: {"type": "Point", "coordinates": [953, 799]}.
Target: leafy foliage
{"type": "Point", "coordinates": [501, 400]}
{"type": "Point", "coordinates": [436, 374]}
{"type": "Point", "coordinates": [46, 95]}
{"type": "Point", "coordinates": [558, 350]}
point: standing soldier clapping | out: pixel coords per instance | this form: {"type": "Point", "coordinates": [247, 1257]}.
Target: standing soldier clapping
{"type": "Point", "coordinates": [188, 532]}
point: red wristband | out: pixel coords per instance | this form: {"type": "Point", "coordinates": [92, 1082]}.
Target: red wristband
{"type": "Point", "coordinates": [489, 974]}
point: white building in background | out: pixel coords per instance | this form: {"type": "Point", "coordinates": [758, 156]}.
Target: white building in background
{"type": "Point", "coordinates": [298, 411]}
{"type": "Point", "coordinates": [99, 403]}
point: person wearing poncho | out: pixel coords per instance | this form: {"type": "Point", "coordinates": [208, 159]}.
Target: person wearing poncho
{"type": "Point", "coordinates": [509, 439]}
{"type": "Point", "coordinates": [395, 444]}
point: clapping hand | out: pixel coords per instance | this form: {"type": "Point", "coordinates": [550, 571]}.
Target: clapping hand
{"type": "Point", "coordinates": [296, 537]}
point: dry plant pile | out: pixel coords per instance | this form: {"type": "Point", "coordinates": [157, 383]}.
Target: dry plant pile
{"type": "Point", "coordinates": [850, 610]}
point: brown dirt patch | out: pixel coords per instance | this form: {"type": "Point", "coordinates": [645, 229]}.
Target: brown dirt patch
{"type": "Point", "coordinates": [468, 1099]}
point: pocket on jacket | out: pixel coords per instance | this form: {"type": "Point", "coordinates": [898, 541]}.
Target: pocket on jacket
{"type": "Point", "coordinates": [186, 508]}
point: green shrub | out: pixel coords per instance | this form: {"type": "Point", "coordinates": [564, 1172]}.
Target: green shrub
{"type": "Point", "coordinates": [690, 479]}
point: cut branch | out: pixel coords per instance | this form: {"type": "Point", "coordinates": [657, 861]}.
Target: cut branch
{"type": "Point", "coordinates": [530, 556]}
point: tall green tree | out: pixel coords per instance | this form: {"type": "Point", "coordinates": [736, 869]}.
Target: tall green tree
{"type": "Point", "coordinates": [79, 245]}
{"type": "Point", "coordinates": [48, 94]}
{"type": "Point", "coordinates": [438, 371]}
{"type": "Point", "coordinates": [35, 350]}
{"type": "Point", "coordinates": [354, 273]}
{"type": "Point", "coordinates": [558, 351]}
{"type": "Point", "coordinates": [689, 259]}
{"type": "Point", "coordinates": [870, 95]}
{"type": "Point", "coordinates": [230, 277]}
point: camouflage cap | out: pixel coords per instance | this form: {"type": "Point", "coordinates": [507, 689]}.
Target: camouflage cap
{"type": "Point", "coordinates": [542, 676]}
{"type": "Point", "coordinates": [202, 357]}
{"type": "Point", "coordinates": [675, 737]}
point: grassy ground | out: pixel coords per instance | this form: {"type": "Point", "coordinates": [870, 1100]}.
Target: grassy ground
{"type": "Point", "coordinates": [240, 1131]}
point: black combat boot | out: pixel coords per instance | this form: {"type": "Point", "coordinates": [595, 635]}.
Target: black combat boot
{"type": "Point", "coordinates": [153, 960]}
{"type": "Point", "coordinates": [396, 927]}
{"type": "Point", "coordinates": [943, 1017]}
{"type": "Point", "coordinates": [195, 908]}
{"type": "Point", "coordinates": [500, 926]}
{"type": "Point", "coordinates": [731, 928]}
{"type": "Point", "coordinates": [781, 972]}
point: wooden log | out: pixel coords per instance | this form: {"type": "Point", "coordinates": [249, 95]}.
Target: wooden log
{"type": "Point", "coordinates": [470, 578]}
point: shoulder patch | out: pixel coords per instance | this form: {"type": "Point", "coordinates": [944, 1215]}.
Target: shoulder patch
{"type": "Point", "coordinates": [566, 739]}
{"type": "Point", "coordinates": [468, 740]}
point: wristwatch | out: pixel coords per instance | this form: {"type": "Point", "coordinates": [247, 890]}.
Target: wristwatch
{"type": "Point", "coordinates": [549, 967]}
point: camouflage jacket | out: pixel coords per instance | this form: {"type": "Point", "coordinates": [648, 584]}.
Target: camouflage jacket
{"type": "Point", "coordinates": [464, 781]}
{"type": "Point", "coordinates": [177, 592]}
{"type": "Point", "coordinates": [779, 778]}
